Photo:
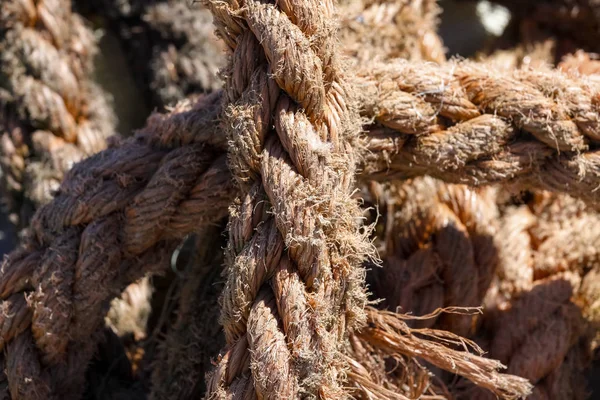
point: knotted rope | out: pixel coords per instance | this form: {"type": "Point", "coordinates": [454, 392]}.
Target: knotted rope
{"type": "Point", "coordinates": [294, 278]}
{"type": "Point", "coordinates": [51, 114]}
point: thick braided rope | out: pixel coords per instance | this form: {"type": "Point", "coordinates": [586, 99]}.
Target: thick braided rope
{"type": "Point", "coordinates": [294, 280]}
{"type": "Point", "coordinates": [99, 234]}
{"type": "Point", "coordinates": [536, 129]}
{"type": "Point", "coordinates": [51, 114]}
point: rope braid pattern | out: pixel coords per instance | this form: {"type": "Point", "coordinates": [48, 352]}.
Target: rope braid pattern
{"type": "Point", "coordinates": [294, 281]}
{"type": "Point", "coordinates": [51, 114]}
{"type": "Point", "coordinates": [536, 129]}
{"type": "Point", "coordinates": [97, 236]}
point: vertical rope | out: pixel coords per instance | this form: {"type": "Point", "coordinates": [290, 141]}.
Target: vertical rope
{"type": "Point", "coordinates": [294, 281]}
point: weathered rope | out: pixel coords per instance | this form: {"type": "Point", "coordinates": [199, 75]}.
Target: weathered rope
{"type": "Point", "coordinates": [98, 235]}
{"type": "Point", "coordinates": [294, 278]}
{"type": "Point", "coordinates": [581, 63]}
{"type": "Point", "coordinates": [193, 340]}
{"type": "Point", "coordinates": [198, 126]}
{"type": "Point", "coordinates": [51, 114]}
{"type": "Point", "coordinates": [536, 129]}
{"type": "Point", "coordinates": [535, 333]}
{"type": "Point", "coordinates": [541, 312]}
{"type": "Point", "coordinates": [106, 184]}
{"type": "Point", "coordinates": [170, 45]}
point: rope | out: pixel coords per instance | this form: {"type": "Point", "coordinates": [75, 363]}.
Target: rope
{"type": "Point", "coordinates": [97, 236]}
{"type": "Point", "coordinates": [193, 339]}
{"type": "Point", "coordinates": [535, 129]}
{"type": "Point", "coordinates": [294, 280]}
{"type": "Point", "coordinates": [51, 114]}
{"type": "Point", "coordinates": [98, 196]}
{"type": "Point", "coordinates": [383, 30]}
{"type": "Point", "coordinates": [439, 252]}
{"type": "Point", "coordinates": [170, 46]}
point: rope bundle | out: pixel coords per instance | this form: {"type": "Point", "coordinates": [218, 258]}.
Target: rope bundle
{"type": "Point", "coordinates": [439, 251]}
{"type": "Point", "coordinates": [540, 311]}
{"type": "Point", "coordinates": [294, 297]}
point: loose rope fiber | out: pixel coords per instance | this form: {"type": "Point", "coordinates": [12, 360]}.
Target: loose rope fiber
{"type": "Point", "coordinates": [540, 313]}
{"type": "Point", "coordinates": [51, 114]}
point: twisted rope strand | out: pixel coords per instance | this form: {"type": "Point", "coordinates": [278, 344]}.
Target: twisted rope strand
{"type": "Point", "coordinates": [478, 126]}
{"type": "Point", "coordinates": [104, 236]}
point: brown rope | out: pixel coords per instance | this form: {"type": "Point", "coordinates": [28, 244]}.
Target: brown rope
{"type": "Point", "coordinates": [294, 280]}
{"type": "Point", "coordinates": [194, 338]}
{"type": "Point", "coordinates": [51, 114]}
{"type": "Point", "coordinates": [541, 311]}
{"type": "Point", "coordinates": [385, 30]}
{"type": "Point", "coordinates": [103, 186]}
{"type": "Point", "coordinates": [98, 235]}
{"type": "Point", "coordinates": [529, 128]}
{"type": "Point", "coordinates": [439, 252]}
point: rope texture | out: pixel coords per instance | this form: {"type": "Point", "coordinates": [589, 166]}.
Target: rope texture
{"type": "Point", "coordinates": [383, 30]}
{"type": "Point", "coordinates": [294, 284]}
{"type": "Point", "coordinates": [51, 114]}
{"type": "Point", "coordinates": [536, 129]}
{"type": "Point", "coordinates": [170, 45]}
{"type": "Point", "coordinates": [439, 251]}
{"type": "Point", "coordinates": [97, 236]}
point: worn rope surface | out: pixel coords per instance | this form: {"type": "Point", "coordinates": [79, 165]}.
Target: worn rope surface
{"type": "Point", "coordinates": [294, 281]}
{"type": "Point", "coordinates": [538, 129]}
{"type": "Point", "coordinates": [124, 172]}
{"type": "Point", "coordinates": [51, 114]}
{"type": "Point", "coordinates": [541, 311]}
{"type": "Point", "coordinates": [98, 235]}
